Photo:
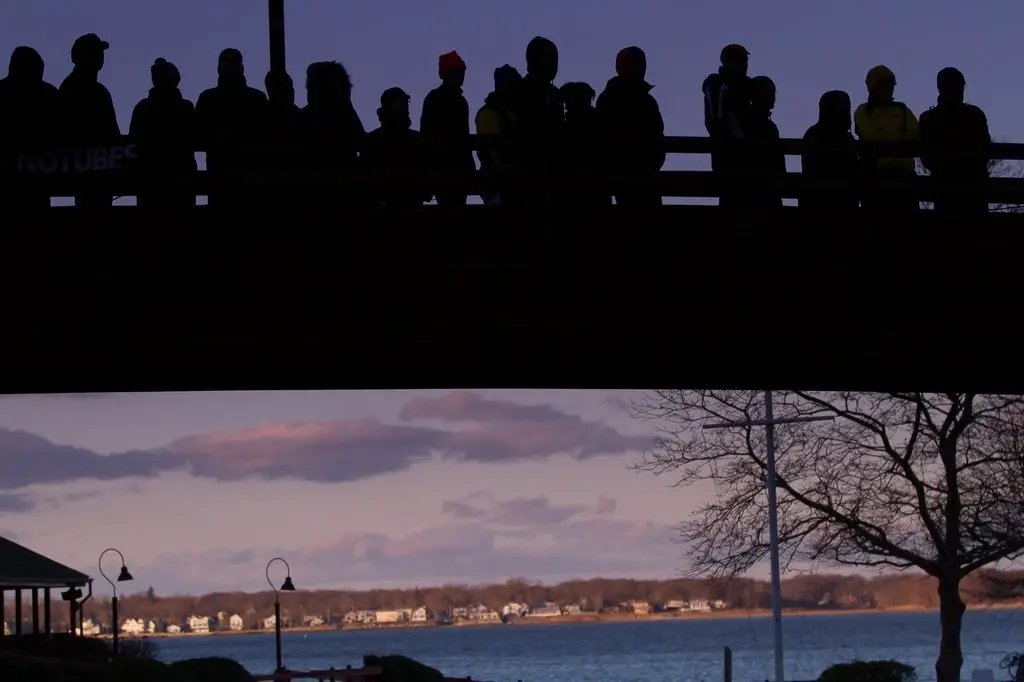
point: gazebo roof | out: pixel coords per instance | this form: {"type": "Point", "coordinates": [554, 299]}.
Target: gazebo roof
{"type": "Point", "coordinates": [21, 567]}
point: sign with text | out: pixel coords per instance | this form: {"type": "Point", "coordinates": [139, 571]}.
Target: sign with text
{"type": "Point", "coordinates": [75, 160]}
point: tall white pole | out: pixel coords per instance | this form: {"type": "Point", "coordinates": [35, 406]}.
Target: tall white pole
{"type": "Point", "coordinates": [770, 422]}
{"type": "Point", "coordinates": [773, 534]}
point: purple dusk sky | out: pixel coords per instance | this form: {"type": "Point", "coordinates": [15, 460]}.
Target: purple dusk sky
{"type": "Point", "coordinates": [807, 47]}
{"type": "Point", "coordinates": [354, 489]}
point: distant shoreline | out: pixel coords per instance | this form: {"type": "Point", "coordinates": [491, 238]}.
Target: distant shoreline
{"type": "Point", "coordinates": [568, 619]}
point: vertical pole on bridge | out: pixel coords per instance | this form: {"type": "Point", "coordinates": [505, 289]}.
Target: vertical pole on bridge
{"type": "Point", "coordinates": [277, 53]}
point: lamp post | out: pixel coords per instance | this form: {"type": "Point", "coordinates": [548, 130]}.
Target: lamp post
{"type": "Point", "coordinates": [769, 422]}
{"type": "Point", "coordinates": [286, 586]}
{"type": "Point", "coordinates": [123, 576]}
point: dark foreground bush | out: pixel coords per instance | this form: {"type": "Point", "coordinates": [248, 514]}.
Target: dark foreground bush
{"type": "Point", "coordinates": [31, 669]}
{"type": "Point", "coordinates": [403, 669]}
{"type": "Point", "coordinates": [62, 646]}
{"type": "Point", "coordinates": [869, 671]}
{"type": "Point", "coordinates": [212, 670]}
{"type": "Point", "coordinates": [1013, 664]}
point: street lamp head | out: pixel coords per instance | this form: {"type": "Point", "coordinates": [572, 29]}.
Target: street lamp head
{"type": "Point", "coordinates": [71, 594]}
{"type": "Point", "coordinates": [124, 575]}
{"type": "Point", "coordinates": [288, 585]}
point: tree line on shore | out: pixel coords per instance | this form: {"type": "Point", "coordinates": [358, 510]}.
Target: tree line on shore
{"type": "Point", "coordinates": [818, 591]}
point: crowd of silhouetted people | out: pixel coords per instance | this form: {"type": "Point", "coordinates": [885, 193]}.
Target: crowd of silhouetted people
{"type": "Point", "coordinates": [570, 130]}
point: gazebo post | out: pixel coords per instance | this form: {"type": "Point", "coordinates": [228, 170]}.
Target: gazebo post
{"type": "Point", "coordinates": [3, 612]}
{"type": "Point", "coordinates": [17, 611]}
{"type": "Point", "coordinates": [46, 612]}
{"type": "Point", "coordinates": [35, 611]}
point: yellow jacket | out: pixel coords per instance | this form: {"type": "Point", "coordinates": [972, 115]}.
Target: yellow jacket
{"type": "Point", "coordinates": [490, 121]}
{"type": "Point", "coordinates": [893, 122]}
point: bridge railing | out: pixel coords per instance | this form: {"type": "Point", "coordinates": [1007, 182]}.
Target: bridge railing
{"type": "Point", "coordinates": [63, 172]}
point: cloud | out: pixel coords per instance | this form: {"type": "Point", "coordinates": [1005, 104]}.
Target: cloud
{"type": "Point", "coordinates": [15, 503]}
{"type": "Point", "coordinates": [474, 429]}
{"type": "Point", "coordinates": [467, 552]}
{"type": "Point", "coordinates": [519, 511]}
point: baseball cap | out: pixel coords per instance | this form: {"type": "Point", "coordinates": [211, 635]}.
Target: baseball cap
{"type": "Point", "coordinates": [90, 42]}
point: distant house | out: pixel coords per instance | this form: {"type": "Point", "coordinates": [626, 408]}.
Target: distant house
{"type": "Point", "coordinates": [546, 610]}
{"type": "Point", "coordinates": [420, 615]}
{"type": "Point", "coordinates": [675, 605]}
{"type": "Point", "coordinates": [718, 604]}
{"type": "Point", "coordinates": [386, 617]}
{"type": "Point", "coordinates": [236, 622]}
{"type": "Point", "coordinates": [640, 607]}
{"type": "Point", "coordinates": [173, 629]}
{"type": "Point", "coordinates": [699, 605]}
{"type": "Point", "coordinates": [313, 621]}
{"type": "Point", "coordinates": [270, 622]}
{"type": "Point", "coordinates": [514, 609]}
{"type": "Point", "coordinates": [133, 626]}
{"type": "Point", "coordinates": [7, 628]}
{"type": "Point", "coordinates": [200, 625]}
{"type": "Point", "coordinates": [571, 609]}
{"type": "Point", "coordinates": [460, 613]}
{"type": "Point", "coordinates": [89, 628]}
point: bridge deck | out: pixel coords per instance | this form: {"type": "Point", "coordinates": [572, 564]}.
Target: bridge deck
{"type": "Point", "coordinates": [683, 295]}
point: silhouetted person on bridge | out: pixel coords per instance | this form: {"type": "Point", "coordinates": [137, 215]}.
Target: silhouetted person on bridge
{"type": "Point", "coordinates": [283, 135]}
{"type": "Point", "coordinates": [631, 118]}
{"type": "Point", "coordinates": [584, 150]}
{"type": "Point", "coordinates": [89, 119]}
{"type": "Point", "coordinates": [231, 119]}
{"type": "Point", "coordinates": [395, 146]}
{"type": "Point", "coordinates": [763, 165]}
{"type": "Point", "coordinates": [957, 144]}
{"type": "Point", "coordinates": [29, 121]}
{"type": "Point", "coordinates": [542, 115]}
{"type": "Point", "coordinates": [883, 119]}
{"type": "Point", "coordinates": [726, 113]}
{"type": "Point", "coordinates": [331, 129]}
{"type": "Point", "coordinates": [497, 125]}
{"type": "Point", "coordinates": [163, 127]}
{"type": "Point", "coordinates": [830, 154]}
{"type": "Point", "coordinates": [445, 123]}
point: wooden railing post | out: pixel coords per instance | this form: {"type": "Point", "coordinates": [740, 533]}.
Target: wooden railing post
{"type": "Point", "coordinates": [727, 673]}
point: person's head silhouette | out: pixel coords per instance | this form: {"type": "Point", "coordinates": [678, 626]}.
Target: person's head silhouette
{"type": "Point", "coordinates": [951, 85]}
{"type": "Point", "coordinates": [506, 78]}
{"type": "Point", "coordinates": [542, 59]}
{"type": "Point", "coordinates": [230, 66]}
{"type": "Point", "coordinates": [631, 64]}
{"type": "Point", "coordinates": [164, 74]}
{"type": "Point", "coordinates": [26, 65]}
{"type": "Point", "coordinates": [762, 93]}
{"type": "Point", "coordinates": [834, 109]}
{"type": "Point", "coordinates": [88, 53]}
{"type": "Point", "coordinates": [280, 88]}
{"type": "Point", "coordinates": [394, 109]}
{"type": "Point", "coordinates": [451, 69]}
{"type": "Point", "coordinates": [881, 84]}
{"type": "Point", "coordinates": [735, 61]}
{"type": "Point", "coordinates": [327, 83]}
{"type": "Point", "coordinates": [578, 97]}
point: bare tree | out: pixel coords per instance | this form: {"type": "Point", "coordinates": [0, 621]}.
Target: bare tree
{"type": "Point", "coordinates": [903, 480]}
{"type": "Point", "coordinates": [997, 168]}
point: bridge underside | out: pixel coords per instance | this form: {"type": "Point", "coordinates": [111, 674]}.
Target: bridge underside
{"type": "Point", "coordinates": [685, 296]}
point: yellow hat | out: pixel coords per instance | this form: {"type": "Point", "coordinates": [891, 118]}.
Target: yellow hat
{"type": "Point", "coordinates": [877, 75]}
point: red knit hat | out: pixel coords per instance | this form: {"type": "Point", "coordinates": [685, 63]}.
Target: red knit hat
{"type": "Point", "coordinates": [449, 61]}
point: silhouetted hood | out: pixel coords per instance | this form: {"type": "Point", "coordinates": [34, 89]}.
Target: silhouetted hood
{"type": "Point", "coordinates": [617, 83]}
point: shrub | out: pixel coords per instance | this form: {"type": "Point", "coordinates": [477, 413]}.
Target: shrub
{"type": "Point", "coordinates": [869, 671]}
{"type": "Point", "coordinates": [31, 669]}
{"type": "Point", "coordinates": [63, 646]}
{"type": "Point", "coordinates": [403, 669]}
{"type": "Point", "coordinates": [214, 669]}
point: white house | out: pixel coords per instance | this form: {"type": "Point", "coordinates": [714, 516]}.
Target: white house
{"type": "Point", "coordinates": [571, 609]}
{"type": "Point", "coordinates": [236, 623]}
{"type": "Point", "coordinates": [420, 615]}
{"type": "Point", "coordinates": [133, 626]}
{"type": "Point", "coordinates": [718, 604]}
{"type": "Point", "coordinates": [675, 605]}
{"type": "Point", "coordinates": [198, 624]}
{"type": "Point", "coordinates": [640, 607]}
{"type": "Point", "coordinates": [270, 622]}
{"type": "Point", "coordinates": [173, 629]}
{"type": "Point", "coordinates": [514, 609]}
{"type": "Point", "coordinates": [548, 610]}
{"type": "Point", "coordinates": [700, 605]}
{"type": "Point", "coordinates": [313, 621]}
{"type": "Point", "coordinates": [151, 627]}
{"type": "Point", "coordinates": [7, 628]}
{"type": "Point", "coordinates": [89, 628]}
{"type": "Point", "coordinates": [389, 616]}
